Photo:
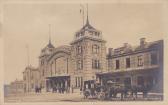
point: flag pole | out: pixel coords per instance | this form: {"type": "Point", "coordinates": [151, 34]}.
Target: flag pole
{"type": "Point", "coordinates": [49, 33]}
{"type": "Point", "coordinates": [82, 13]}
{"type": "Point", "coordinates": [28, 62]}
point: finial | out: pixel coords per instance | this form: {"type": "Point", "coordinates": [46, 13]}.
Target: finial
{"type": "Point", "coordinates": [49, 33]}
{"type": "Point", "coordinates": [87, 21]}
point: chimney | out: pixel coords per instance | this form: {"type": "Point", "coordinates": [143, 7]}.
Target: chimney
{"type": "Point", "coordinates": [142, 41]}
{"type": "Point", "coordinates": [125, 45]}
{"type": "Point", "coordinates": [110, 51]}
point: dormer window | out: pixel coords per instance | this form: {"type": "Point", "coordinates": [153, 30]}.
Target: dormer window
{"type": "Point", "coordinates": [91, 33]}
{"type": "Point", "coordinates": [97, 34]}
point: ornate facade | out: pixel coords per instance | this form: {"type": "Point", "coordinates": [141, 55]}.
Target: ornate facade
{"type": "Point", "coordinates": [69, 66]}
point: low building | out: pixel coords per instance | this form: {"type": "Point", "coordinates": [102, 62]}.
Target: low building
{"type": "Point", "coordinates": [136, 66]}
{"type": "Point", "coordinates": [31, 79]}
{"type": "Point", "coordinates": [16, 87]}
{"type": "Point", "coordinates": [6, 90]}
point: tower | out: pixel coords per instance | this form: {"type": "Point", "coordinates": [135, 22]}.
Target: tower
{"type": "Point", "coordinates": [88, 53]}
{"type": "Point", "coordinates": [45, 53]}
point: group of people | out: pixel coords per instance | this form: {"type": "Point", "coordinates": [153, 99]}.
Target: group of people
{"type": "Point", "coordinates": [62, 90]}
{"type": "Point", "coordinates": [59, 89]}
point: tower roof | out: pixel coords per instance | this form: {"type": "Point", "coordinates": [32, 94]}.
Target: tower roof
{"type": "Point", "coordinates": [87, 25]}
{"type": "Point", "coordinates": [50, 45]}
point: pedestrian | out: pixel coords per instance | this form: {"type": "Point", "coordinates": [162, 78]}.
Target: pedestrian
{"type": "Point", "coordinates": [72, 88]}
{"type": "Point", "coordinates": [81, 90]}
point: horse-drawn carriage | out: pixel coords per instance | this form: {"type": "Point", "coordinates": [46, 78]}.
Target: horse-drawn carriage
{"type": "Point", "coordinates": [102, 91]}
{"type": "Point", "coordinates": [114, 89]}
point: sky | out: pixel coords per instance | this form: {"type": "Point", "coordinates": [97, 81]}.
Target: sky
{"type": "Point", "coordinates": [28, 24]}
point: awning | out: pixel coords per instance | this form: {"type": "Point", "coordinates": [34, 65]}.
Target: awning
{"type": "Point", "coordinates": [58, 76]}
{"type": "Point", "coordinates": [113, 73]}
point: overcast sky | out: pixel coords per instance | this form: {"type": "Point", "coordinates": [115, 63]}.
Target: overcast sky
{"type": "Point", "coordinates": [28, 24]}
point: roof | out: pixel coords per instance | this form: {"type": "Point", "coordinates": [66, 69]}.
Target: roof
{"type": "Point", "coordinates": [87, 26]}
{"type": "Point", "coordinates": [30, 68]}
{"type": "Point", "coordinates": [135, 49]}
{"type": "Point", "coordinates": [50, 45]}
{"type": "Point", "coordinates": [63, 48]}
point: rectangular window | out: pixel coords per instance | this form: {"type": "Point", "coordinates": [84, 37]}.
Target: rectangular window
{"type": "Point", "coordinates": [43, 73]}
{"type": "Point", "coordinates": [76, 81]}
{"type": "Point", "coordinates": [55, 66]}
{"type": "Point", "coordinates": [24, 78]}
{"type": "Point", "coordinates": [79, 82]}
{"type": "Point", "coordinates": [32, 76]}
{"type": "Point", "coordinates": [95, 49]}
{"type": "Point", "coordinates": [95, 64]}
{"type": "Point", "coordinates": [50, 69]}
{"type": "Point", "coordinates": [79, 64]}
{"type": "Point", "coordinates": [32, 85]}
{"type": "Point", "coordinates": [127, 62]}
{"type": "Point", "coordinates": [140, 60]}
{"type": "Point", "coordinates": [117, 64]}
{"type": "Point", "coordinates": [154, 59]}
{"type": "Point", "coordinates": [79, 49]}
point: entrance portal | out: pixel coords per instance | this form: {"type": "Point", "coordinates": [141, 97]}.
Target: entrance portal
{"type": "Point", "coordinates": [59, 84]}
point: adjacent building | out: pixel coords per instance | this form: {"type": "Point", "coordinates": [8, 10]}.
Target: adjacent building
{"type": "Point", "coordinates": [30, 79]}
{"type": "Point", "coordinates": [136, 65]}
{"type": "Point", "coordinates": [16, 87]}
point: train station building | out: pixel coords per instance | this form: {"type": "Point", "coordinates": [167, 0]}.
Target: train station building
{"type": "Point", "coordinates": [86, 59]}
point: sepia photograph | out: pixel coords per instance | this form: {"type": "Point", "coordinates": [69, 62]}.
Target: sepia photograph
{"type": "Point", "coordinates": [83, 51]}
